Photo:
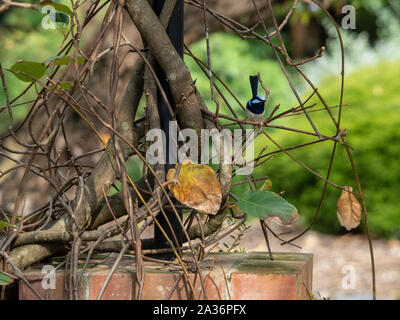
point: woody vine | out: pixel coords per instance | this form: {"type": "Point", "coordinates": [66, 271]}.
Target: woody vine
{"type": "Point", "coordinates": [87, 204]}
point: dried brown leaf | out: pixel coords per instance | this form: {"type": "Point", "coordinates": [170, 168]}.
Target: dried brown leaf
{"type": "Point", "coordinates": [199, 187]}
{"type": "Point", "coordinates": [348, 209]}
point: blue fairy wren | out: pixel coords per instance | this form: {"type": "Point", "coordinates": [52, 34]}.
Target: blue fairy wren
{"type": "Point", "coordinates": [255, 107]}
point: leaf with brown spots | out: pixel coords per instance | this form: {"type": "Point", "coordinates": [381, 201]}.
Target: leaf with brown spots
{"type": "Point", "coordinates": [348, 209]}
{"type": "Point", "coordinates": [199, 187]}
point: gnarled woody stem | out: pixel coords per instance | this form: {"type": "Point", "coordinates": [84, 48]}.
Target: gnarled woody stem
{"type": "Point", "coordinates": [187, 100]}
{"type": "Point", "coordinates": [26, 255]}
{"type": "Point", "coordinates": [106, 166]}
{"type": "Point", "coordinates": [189, 116]}
{"type": "Point", "coordinates": [178, 75]}
{"type": "Point", "coordinates": [225, 179]}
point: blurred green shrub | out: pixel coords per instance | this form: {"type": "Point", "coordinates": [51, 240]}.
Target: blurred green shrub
{"type": "Point", "coordinates": [372, 120]}
{"type": "Point", "coordinates": [23, 38]}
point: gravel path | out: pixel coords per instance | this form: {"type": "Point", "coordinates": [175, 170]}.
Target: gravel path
{"type": "Point", "coordinates": [336, 259]}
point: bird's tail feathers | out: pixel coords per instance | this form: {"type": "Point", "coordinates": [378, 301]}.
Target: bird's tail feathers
{"type": "Point", "coordinates": [254, 85]}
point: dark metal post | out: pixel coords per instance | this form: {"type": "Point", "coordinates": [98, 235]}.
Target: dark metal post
{"type": "Point", "coordinates": [175, 33]}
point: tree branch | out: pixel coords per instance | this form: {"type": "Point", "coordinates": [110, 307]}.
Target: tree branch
{"type": "Point", "coordinates": [179, 78]}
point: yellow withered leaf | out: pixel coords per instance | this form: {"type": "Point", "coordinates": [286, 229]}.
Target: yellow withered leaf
{"type": "Point", "coordinates": [348, 209]}
{"type": "Point", "coordinates": [267, 185]}
{"type": "Point", "coordinates": [199, 187]}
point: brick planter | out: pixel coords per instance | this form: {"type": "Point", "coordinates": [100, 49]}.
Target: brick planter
{"type": "Point", "coordinates": [249, 275]}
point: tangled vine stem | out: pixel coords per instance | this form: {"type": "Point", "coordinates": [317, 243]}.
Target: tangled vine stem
{"type": "Point", "coordinates": [75, 213]}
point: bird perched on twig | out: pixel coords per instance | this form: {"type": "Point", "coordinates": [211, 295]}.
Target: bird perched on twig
{"type": "Point", "coordinates": [255, 107]}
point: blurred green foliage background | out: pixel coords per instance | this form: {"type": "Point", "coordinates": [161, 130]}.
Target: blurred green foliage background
{"type": "Point", "coordinates": [372, 93]}
{"type": "Point", "coordinates": [23, 38]}
{"type": "Point", "coordinates": [371, 117]}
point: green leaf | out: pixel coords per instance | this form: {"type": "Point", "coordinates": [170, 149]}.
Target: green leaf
{"type": "Point", "coordinates": [65, 85]}
{"type": "Point", "coordinates": [57, 6]}
{"type": "Point", "coordinates": [62, 17]}
{"type": "Point", "coordinates": [263, 203]}
{"type": "Point", "coordinates": [267, 185]}
{"type": "Point", "coordinates": [64, 60]}
{"type": "Point", "coordinates": [4, 280]}
{"type": "Point", "coordinates": [4, 224]}
{"type": "Point", "coordinates": [35, 69]}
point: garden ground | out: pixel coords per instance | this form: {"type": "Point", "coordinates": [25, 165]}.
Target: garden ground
{"type": "Point", "coordinates": [332, 253]}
